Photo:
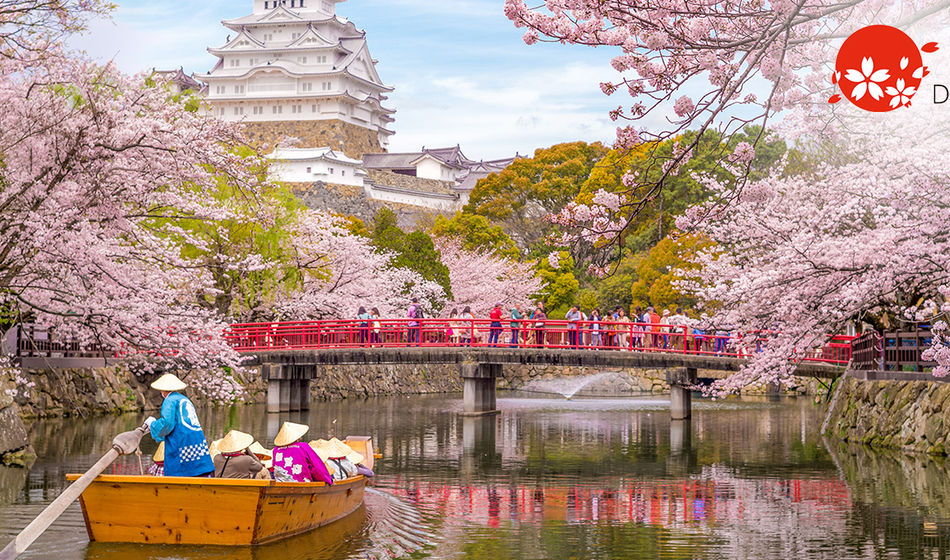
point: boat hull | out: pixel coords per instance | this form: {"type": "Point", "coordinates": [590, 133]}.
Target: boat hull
{"type": "Point", "coordinates": [211, 511]}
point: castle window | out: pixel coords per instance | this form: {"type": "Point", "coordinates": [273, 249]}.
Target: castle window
{"type": "Point", "coordinates": [265, 4]}
{"type": "Point", "coordinates": [326, 6]}
{"type": "Point", "coordinates": [308, 170]}
{"type": "Point", "coordinates": [294, 35]}
{"type": "Point", "coordinates": [343, 172]}
{"type": "Point", "coordinates": [307, 86]}
{"type": "Point", "coordinates": [322, 59]}
{"type": "Point", "coordinates": [331, 171]}
{"type": "Point", "coordinates": [302, 59]}
{"type": "Point", "coordinates": [277, 109]}
{"type": "Point", "coordinates": [238, 89]}
{"type": "Point", "coordinates": [313, 108]}
{"type": "Point", "coordinates": [327, 86]}
{"type": "Point", "coordinates": [235, 62]}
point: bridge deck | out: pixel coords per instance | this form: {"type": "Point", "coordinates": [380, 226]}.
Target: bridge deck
{"type": "Point", "coordinates": [520, 356]}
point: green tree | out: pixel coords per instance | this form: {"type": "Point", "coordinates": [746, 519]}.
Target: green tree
{"type": "Point", "coordinates": [659, 270]}
{"type": "Point", "coordinates": [656, 218]}
{"type": "Point", "coordinates": [414, 251]}
{"type": "Point", "coordinates": [257, 231]}
{"type": "Point", "coordinates": [476, 233]}
{"type": "Point", "coordinates": [521, 197]}
{"type": "Point", "coordinates": [560, 285]}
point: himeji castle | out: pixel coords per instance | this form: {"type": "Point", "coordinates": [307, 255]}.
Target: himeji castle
{"type": "Point", "coordinates": [302, 81]}
{"type": "Point", "coordinates": [295, 69]}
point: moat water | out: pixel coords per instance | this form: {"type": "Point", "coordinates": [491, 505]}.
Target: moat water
{"type": "Point", "coordinates": [550, 478]}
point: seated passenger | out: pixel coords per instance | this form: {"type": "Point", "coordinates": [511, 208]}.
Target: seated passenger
{"type": "Point", "coordinates": [339, 457]}
{"type": "Point", "coordinates": [235, 459]}
{"type": "Point", "coordinates": [294, 459]}
{"type": "Point", "coordinates": [158, 467]}
{"type": "Point", "coordinates": [265, 456]}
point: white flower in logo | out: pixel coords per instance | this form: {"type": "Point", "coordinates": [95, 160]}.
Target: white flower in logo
{"type": "Point", "coordinates": [901, 93]}
{"type": "Point", "coordinates": [867, 79]}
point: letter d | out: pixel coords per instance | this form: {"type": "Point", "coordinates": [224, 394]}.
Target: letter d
{"type": "Point", "coordinates": [946, 93]}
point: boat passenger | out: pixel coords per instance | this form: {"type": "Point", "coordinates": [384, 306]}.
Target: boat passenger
{"type": "Point", "coordinates": [341, 460]}
{"type": "Point", "coordinates": [158, 466]}
{"type": "Point", "coordinates": [265, 457]}
{"type": "Point", "coordinates": [294, 459]}
{"type": "Point", "coordinates": [186, 450]}
{"type": "Point", "coordinates": [236, 459]}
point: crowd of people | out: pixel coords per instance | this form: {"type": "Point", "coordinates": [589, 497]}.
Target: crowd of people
{"type": "Point", "coordinates": [184, 451]}
{"type": "Point", "coordinates": [530, 326]}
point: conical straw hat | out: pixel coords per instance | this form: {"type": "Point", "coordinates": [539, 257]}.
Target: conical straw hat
{"type": "Point", "coordinates": [168, 382]}
{"type": "Point", "coordinates": [235, 442]}
{"type": "Point", "coordinates": [322, 448]}
{"type": "Point", "coordinates": [261, 453]}
{"type": "Point", "coordinates": [213, 448]}
{"type": "Point", "coordinates": [341, 449]}
{"type": "Point", "coordinates": [289, 433]}
{"type": "Point", "coordinates": [159, 456]}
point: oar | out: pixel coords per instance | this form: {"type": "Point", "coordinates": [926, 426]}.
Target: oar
{"type": "Point", "coordinates": [123, 444]}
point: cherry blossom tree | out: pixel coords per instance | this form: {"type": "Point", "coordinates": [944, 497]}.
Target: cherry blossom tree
{"type": "Point", "coordinates": [481, 279]}
{"type": "Point", "coordinates": [799, 256]}
{"type": "Point", "coordinates": [697, 66]}
{"type": "Point", "coordinates": [340, 271]}
{"type": "Point", "coordinates": [96, 171]}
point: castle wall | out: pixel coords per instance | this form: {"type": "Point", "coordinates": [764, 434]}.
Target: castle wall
{"type": "Point", "coordinates": [352, 140]}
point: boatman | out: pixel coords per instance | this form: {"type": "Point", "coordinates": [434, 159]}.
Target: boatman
{"type": "Point", "coordinates": [186, 450]}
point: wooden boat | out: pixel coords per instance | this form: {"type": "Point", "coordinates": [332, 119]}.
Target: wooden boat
{"type": "Point", "coordinates": [212, 511]}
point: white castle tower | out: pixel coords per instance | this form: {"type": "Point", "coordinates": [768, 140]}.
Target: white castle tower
{"type": "Point", "coordinates": [294, 69]}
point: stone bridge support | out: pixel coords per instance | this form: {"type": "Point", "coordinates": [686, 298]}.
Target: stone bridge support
{"type": "Point", "coordinates": [478, 390]}
{"type": "Point", "coordinates": [680, 380]}
{"type": "Point", "coordinates": [288, 386]}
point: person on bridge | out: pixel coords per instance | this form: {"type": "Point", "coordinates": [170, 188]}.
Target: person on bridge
{"type": "Point", "coordinates": [539, 317]}
{"type": "Point", "coordinates": [495, 327]}
{"type": "Point", "coordinates": [364, 319]}
{"type": "Point", "coordinates": [573, 316]}
{"type": "Point", "coordinates": [415, 313]}
{"type": "Point", "coordinates": [186, 449]}
{"type": "Point", "coordinates": [516, 316]}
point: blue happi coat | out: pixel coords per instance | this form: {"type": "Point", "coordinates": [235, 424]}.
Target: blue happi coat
{"type": "Point", "coordinates": [186, 450]}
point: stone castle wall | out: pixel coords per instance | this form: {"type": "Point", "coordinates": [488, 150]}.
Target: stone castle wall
{"type": "Point", "coordinates": [908, 415]}
{"type": "Point", "coordinates": [339, 135]}
{"type": "Point", "coordinates": [350, 200]}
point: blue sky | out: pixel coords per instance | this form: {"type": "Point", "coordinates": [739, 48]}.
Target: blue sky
{"type": "Point", "coordinates": [461, 71]}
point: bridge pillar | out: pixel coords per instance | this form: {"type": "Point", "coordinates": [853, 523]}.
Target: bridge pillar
{"type": "Point", "coordinates": [478, 391]}
{"type": "Point", "coordinates": [303, 401]}
{"type": "Point", "coordinates": [680, 379]}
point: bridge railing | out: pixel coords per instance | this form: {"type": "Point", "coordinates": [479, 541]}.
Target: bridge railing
{"type": "Point", "coordinates": [588, 335]}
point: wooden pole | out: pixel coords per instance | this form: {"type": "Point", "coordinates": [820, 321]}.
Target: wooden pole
{"type": "Point", "coordinates": [120, 446]}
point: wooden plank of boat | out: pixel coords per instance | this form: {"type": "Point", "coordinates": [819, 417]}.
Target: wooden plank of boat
{"type": "Point", "coordinates": [213, 511]}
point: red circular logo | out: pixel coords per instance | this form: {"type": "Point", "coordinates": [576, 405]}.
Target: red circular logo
{"type": "Point", "coordinates": [879, 68]}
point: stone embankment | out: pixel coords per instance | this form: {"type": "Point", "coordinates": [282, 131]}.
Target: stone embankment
{"type": "Point", "coordinates": [14, 440]}
{"type": "Point", "coordinates": [113, 389]}
{"type": "Point", "coordinates": [896, 414]}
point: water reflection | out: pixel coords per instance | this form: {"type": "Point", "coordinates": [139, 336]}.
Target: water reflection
{"type": "Point", "coordinates": [549, 478]}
